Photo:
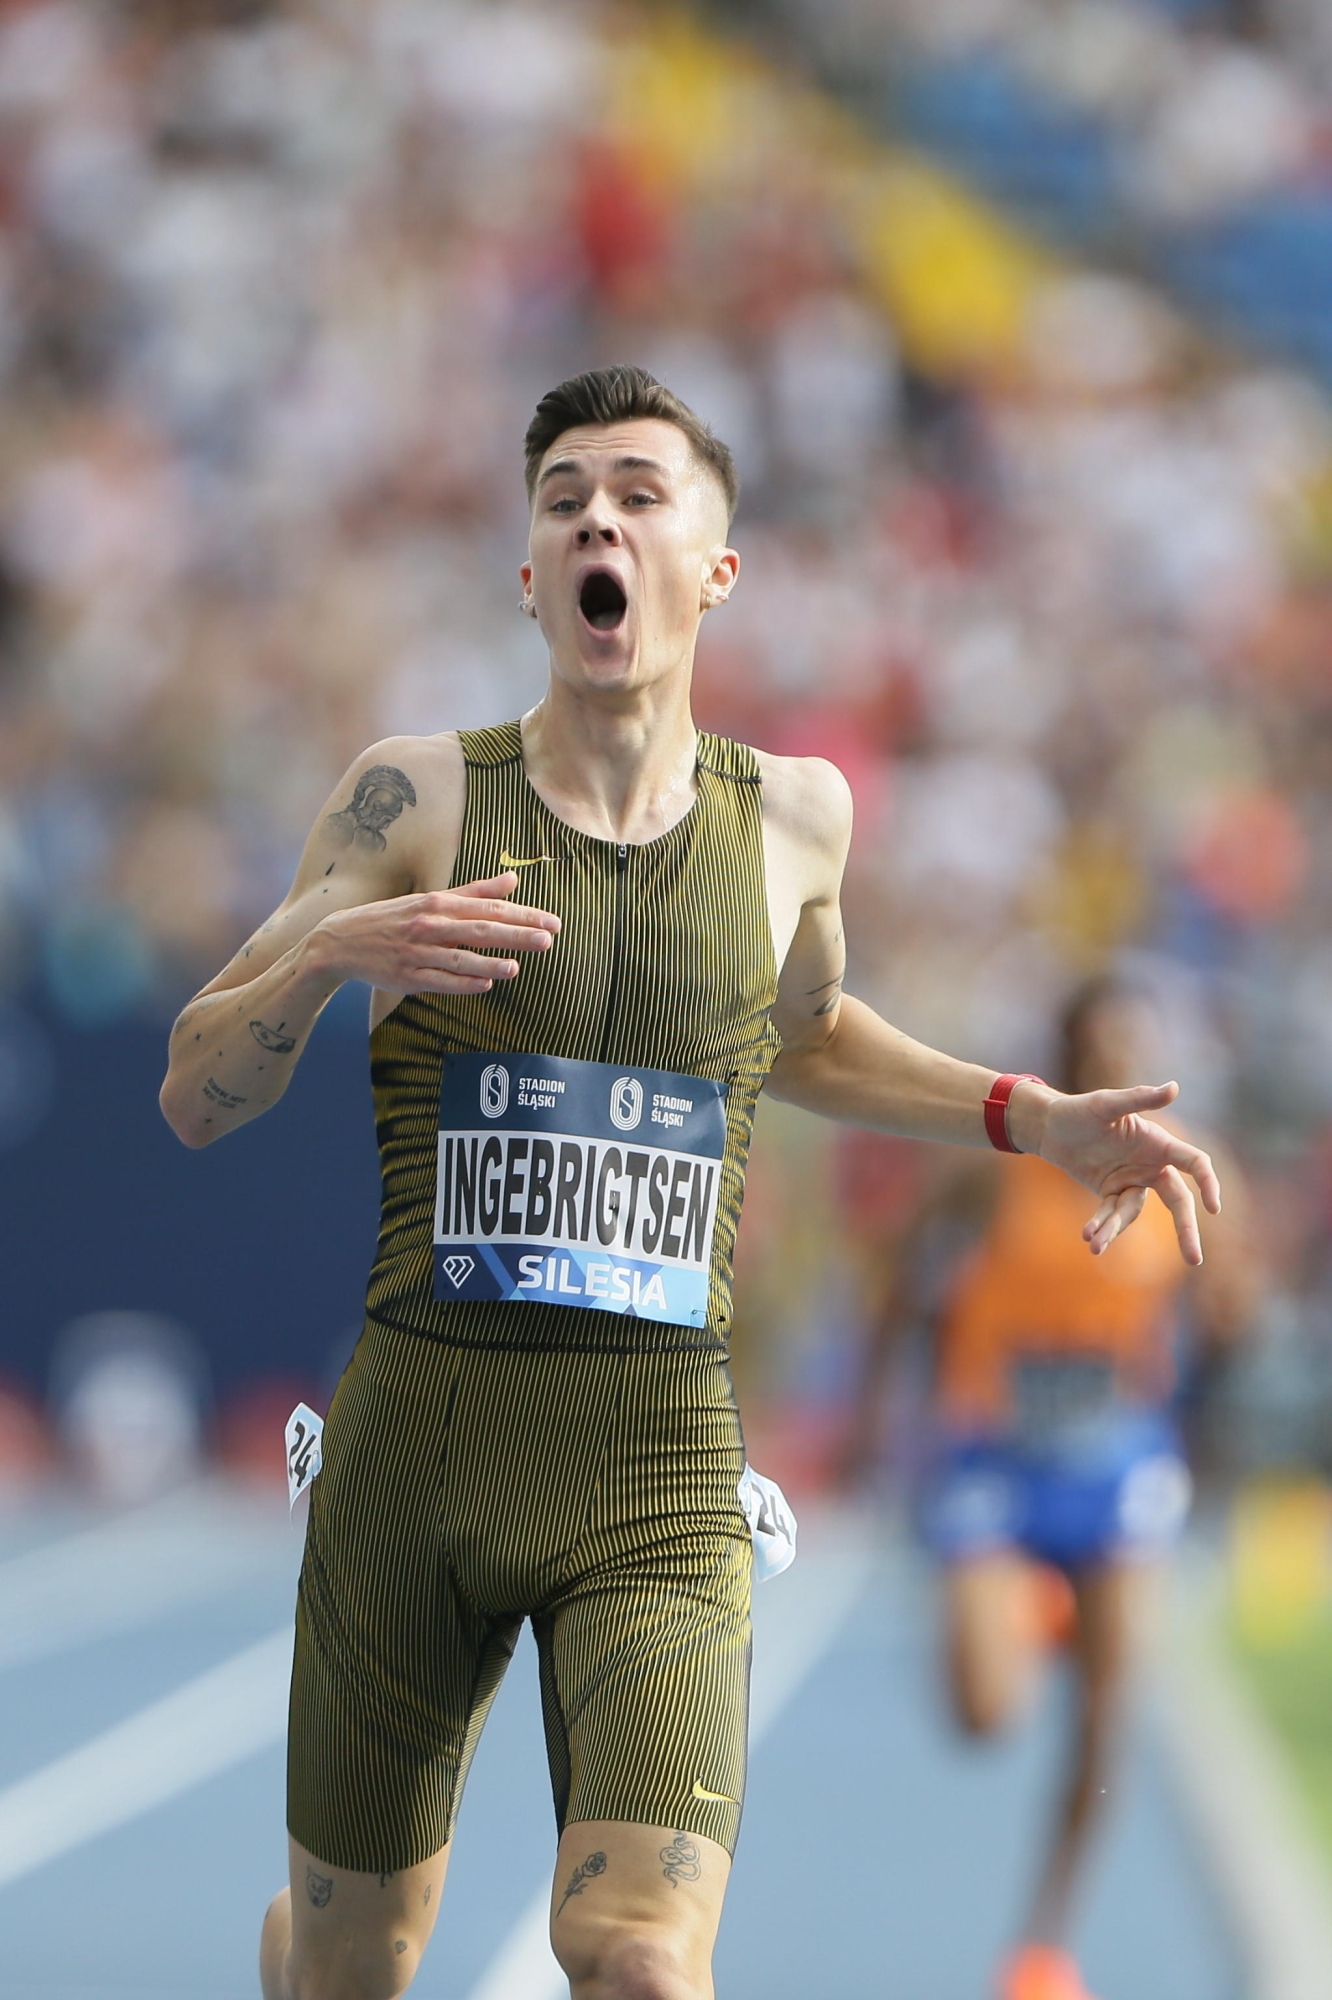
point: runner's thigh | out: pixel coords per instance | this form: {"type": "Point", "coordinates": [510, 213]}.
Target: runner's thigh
{"type": "Point", "coordinates": [630, 1902]}
{"type": "Point", "coordinates": [395, 1668]}
{"type": "Point", "coordinates": [645, 1649]}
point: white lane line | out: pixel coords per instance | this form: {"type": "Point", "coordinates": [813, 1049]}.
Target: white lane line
{"type": "Point", "coordinates": [128, 1571]}
{"type": "Point", "coordinates": [797, 1618]}
{"type": "Point", "coordinates": [213, 1722]}
{"type": "Point", "coordinates": [1251, 1825]}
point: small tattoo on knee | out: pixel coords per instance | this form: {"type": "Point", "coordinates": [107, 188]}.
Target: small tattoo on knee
{"type": "Point", "coordinates": [680, 1861]}
{"type": "Point", "coordinates": [319, 1888]}
{"type": "Point", "coordinates": [582, 1875]}
{"type": "Point", "coordinates": [401, 1945]}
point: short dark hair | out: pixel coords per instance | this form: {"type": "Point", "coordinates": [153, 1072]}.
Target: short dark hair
{"type": "Point", "coordinates": [610, 396]}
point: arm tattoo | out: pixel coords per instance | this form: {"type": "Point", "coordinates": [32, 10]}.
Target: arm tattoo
{"type": "Point", "coordinates": [582, 1875]}
{"type": "Point", "coordinates": [389, 1875]}
{"type": "Point", "coordinates": [215, 1094]}
{"type": "Point", "coordinates": [833, 989]}
{"type": "Point", "coordinates": [380, 795]}
{"type": "Point", "coordinates": [401, 1945]}
{"type": "Point", "coordinates": [319, 1888]}
{"type": "Point", "coordinates": [681, 1862]}
{"type": "Point", "coordinates": [273, 1038]}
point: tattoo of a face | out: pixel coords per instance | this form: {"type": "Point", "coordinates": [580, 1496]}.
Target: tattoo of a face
{"type": "Point", "coordinates": [582, 1875]}
{"type": "Point", "coordinates": [215, 1094]}
{"type": "Point", "coordinates": [273, 1039]}
{"type": "Point", "coordinates": [319, 1888]}
{"type": "Point", "coordinates": [680, 1862]}
{"type": "Point", "coordinates": [379, 797]}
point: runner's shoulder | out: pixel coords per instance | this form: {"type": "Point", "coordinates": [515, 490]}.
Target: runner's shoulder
{"type": "Point", "coordinates": [807, 799]}
{"type": "Point", "coordinates": [440, 757]}
{"type": "Point", "coordinates": [393, 815]}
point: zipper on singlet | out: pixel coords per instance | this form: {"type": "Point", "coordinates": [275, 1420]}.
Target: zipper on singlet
{"type": "Point", "coordinates": [617, 949]}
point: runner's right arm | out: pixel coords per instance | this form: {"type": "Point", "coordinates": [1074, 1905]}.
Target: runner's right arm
{"type": "Point", "coordinates": [361, 907]}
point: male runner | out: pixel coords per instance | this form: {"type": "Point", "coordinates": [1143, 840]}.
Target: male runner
{"type": "Point", "coordinates": [1058, 1482]}
{"type": "Point", "coordinates": [538, 1419]}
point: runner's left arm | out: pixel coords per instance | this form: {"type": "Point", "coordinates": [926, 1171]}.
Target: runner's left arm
{"type": "Point", "coordinates": [843, 1060]}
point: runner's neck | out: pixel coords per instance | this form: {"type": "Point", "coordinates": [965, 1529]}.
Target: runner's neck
{"type": "Point", "coordinates": [626, 775]}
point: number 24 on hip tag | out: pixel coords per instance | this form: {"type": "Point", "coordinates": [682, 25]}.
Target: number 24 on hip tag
{"type": "Point", "coordinates": [305, 1449]}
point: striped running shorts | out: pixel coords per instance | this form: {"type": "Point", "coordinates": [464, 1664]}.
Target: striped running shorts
{"type": "Point", "coordinates": [465, 1488]}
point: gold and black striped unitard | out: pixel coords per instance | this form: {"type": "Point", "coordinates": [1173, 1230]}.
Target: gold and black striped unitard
{"type": "Point", "coordinates": [499, 1448]}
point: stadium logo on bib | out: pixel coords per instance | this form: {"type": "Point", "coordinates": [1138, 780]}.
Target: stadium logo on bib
{"type": "Point", "coordinates": [458, 1269]}
{"type": "Point", "coordinates": [626, 1102]}
{"type": "Point", "coordinates": [494, 1090]}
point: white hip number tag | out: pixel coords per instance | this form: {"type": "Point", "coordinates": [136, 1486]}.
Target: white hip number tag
{"type": "Point", "coordinates": [772, 1525]}
{"type": "Point", "coordinates": [305, 1449]}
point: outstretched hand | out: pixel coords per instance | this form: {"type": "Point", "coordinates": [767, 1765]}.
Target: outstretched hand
{"type": "Point", "coordinates": [1103, 1139]}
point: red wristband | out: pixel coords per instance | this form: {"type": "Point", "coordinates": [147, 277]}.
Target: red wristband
{"type": "Point", "coordinates": [996, 1109]}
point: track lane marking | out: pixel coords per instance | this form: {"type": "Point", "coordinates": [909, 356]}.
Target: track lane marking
{"type": "Point", "coordinates": [201, 1729]}
{"type": "Point", "coordinates": [1255, 1833]}
{"type": "Point", "coordinates": [125, 1572]}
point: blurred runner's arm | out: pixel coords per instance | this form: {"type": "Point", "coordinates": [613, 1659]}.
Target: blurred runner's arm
{"type": "Point", "coordinates": [958, 1202]}
{"type": "Point", "coordinates": [841, 1059]}
{"type": "Point", "coordinates": [359, 908]}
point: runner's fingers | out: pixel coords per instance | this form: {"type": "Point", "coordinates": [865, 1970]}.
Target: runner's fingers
{"type": "Point", "coordinates": [446, 982]}
{"type": "Point", "coordinates": [488, 899]}
{"type": "Point", "coordinates": [1177, 1195]}
{"type": "Point", "coordinates": [460, 964]}
{"type": "Point", "coordinates": [1113, 1217]}
{"type": "Point", "coordinates": [478, 935]}
{"type": "Point", "coordinates": [1191, 1160]}
{"type": "Point", "coordinates": [1139, 1098]}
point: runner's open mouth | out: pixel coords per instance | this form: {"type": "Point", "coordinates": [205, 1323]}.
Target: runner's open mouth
{"type": "Point", "coordinates": [602, 601]}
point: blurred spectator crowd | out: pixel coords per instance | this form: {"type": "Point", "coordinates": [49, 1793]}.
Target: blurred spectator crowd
{"type": "Point", "coordinates": [1047, 574]}
{"type": "Point", "coordinates": [1193, 137]}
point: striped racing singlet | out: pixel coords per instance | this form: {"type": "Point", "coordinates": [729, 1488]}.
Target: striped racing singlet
{"type": "Point", "coordinates": [563, 1156]}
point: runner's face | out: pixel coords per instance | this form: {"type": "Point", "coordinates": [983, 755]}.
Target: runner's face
{"type": "Point", "coordinates": [628, 545]}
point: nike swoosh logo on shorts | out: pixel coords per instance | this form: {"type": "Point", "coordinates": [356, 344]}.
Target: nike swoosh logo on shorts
{"type": "Point", "coordinates": [712, 1798]}
{"type": "Point", "coordinates": [508, 860]}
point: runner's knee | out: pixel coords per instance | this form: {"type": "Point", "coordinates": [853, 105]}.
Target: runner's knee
{"type": "Point", "coordinates": [628, 1962]}
{"type": "Point", "coordinates": [381, 1972]}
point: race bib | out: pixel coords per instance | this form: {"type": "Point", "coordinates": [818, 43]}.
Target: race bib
{"type": "Point", "coordinates": [579, 1184]}
{"type": "Point", "coordinates": [1061, 1401]}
